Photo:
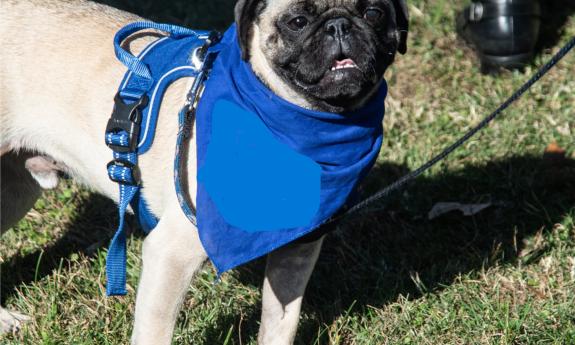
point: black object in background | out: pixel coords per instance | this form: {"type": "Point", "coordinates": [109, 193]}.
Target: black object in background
{"type": "Point", "coordinates": [504, 33]}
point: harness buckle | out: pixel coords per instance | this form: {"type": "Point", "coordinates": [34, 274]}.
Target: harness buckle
{"type": "Point", "coordinates": [119, 175]}
{"type": "Point", "coordinates": [126, 117]}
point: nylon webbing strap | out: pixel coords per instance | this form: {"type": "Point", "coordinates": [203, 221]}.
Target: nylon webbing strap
{"type": "Point", "coordinates": [116, 259]}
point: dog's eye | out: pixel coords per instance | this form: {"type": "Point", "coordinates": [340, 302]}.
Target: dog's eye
{"type": "Point", "coordinates": [372, 14]}
{"type": "Point", "coordinates": [298, 23]}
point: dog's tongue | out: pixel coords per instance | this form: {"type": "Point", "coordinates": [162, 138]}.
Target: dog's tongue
{"type": "Point", "coordinates": [344, 62]}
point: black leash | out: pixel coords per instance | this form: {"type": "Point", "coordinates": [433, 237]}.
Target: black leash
{"type": "Point", "coordinates": [402, 182]}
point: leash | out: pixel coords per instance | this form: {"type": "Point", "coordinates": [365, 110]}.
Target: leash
{"type": "Point", "coordinates": [403, 181]}
{"type": "Point", "coordinates": [186, 119]}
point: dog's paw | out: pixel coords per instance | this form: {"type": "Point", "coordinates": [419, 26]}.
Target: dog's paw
{"type": "Point", "coordinates": [11, 321]}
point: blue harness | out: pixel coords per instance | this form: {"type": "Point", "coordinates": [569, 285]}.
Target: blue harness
{"type": "Point", "coordinates": [269, 172]}
{"type": "Point", "coordinates": [131, 128]}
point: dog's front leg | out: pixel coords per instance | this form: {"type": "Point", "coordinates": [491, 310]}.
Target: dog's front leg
{"type": "Point", "coordinates": [172, 253]}
{"type": "Point", "coordinates": [287, 273]}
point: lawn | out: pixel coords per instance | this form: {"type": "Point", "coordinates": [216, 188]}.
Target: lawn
{"type": "Point", "coordinates": [503, 276]}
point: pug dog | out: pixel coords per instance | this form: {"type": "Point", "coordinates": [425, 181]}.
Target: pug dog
{"type": "Point", "coordinates": [58, 76]}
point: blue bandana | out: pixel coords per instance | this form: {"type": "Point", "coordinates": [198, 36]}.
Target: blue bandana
{"type": "Point", "coordinates": [269, 171]}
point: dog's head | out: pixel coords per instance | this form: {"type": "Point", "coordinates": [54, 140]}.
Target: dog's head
{"type": "Point", "coordinates": [329, 54]}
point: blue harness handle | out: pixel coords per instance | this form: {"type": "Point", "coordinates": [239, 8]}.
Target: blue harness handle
{"type": "Point", "coordinates": [133, 63]}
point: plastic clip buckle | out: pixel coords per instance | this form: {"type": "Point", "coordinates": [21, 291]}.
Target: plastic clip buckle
{"type": "Point", "coordinates": [126, 117]}
{"type": "Point", "coordinates": [135, 175]}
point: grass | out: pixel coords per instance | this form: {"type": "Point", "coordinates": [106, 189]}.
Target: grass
{"type": "Point", "coordinates": [503, 276]}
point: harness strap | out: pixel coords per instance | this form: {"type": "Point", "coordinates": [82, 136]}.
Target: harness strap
{"type": "Point", "coordinates": [121, 136]}
{"type": "Point", "coordinates": [116, 259]}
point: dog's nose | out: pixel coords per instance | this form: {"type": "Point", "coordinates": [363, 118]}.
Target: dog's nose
{"type": "Point", "coordinates": [338, 27]}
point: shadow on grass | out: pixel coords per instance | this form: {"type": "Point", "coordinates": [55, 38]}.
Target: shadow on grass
{"type": "Point", "coordinates": [92, 228]}
{"type": "Point", "coordinates": [554, 16]}
{"type": "Point", "coordinates": [376, 258]}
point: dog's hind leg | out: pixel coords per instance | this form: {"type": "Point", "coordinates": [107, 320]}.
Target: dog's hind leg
{"type": "Point", "coordinates": [172, 253]}
{"type": "Point", "coordinates": [19, 190]}
{"type": "Point", "coordinates": [287, 273]}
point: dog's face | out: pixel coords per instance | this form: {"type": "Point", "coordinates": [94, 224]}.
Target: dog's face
{"type": "Point", "coordinates": [331, 53]}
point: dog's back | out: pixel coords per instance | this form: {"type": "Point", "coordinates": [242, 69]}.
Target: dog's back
{"type": "Point", "coordinates": [52, 53]}
{"type": "Point", "coordinates": [58, 78]}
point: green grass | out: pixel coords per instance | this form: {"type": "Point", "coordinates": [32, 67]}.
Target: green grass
{"type": "Point", "coordinates": [504, 276]}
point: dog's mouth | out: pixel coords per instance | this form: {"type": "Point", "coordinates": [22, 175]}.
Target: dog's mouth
{"type": "Point", "coordinates": [342, 83]}
{"type": "Point", "coordinates": [342, 71]}
{"type": "Point", "coordinates": [343, 64]}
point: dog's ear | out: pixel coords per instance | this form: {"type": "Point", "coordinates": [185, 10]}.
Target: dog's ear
{"type": "Point", "coordinates": [245, 14]}
{"type": "Point", "coordinates": [402, 20]}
